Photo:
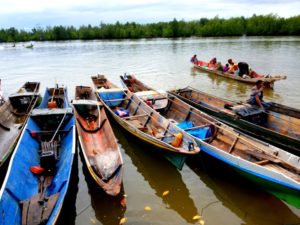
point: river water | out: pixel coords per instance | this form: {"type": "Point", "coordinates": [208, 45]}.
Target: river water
{"type": "Point", "coordinates": [204, 186]}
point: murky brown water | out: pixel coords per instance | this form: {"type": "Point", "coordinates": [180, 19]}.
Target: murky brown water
{"type": "Point", "coordinates": [204, 186]}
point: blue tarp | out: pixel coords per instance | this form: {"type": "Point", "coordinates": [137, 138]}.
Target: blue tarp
{"type": "Point", "coordinates": [200, 133]}
{"type": "Point", "coordinates": [111, 96]}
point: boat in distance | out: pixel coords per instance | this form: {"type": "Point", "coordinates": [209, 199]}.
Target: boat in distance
{"type": "Point", "coordinates": [268, 80]}
{"type": "Point", "coordinates": [98, 143]}
{"type": "Point", "coordinates": [39, 171]}
{"type": "Point", "coordinates": [145, 123]}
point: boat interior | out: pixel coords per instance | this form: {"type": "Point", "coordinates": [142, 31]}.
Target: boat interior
{"type": "Point", "coordinates": [230, 141]}
{"type": "Point", "coordinates": [283, 123]}
{"type": "Point", "coordinates": [130, 108]}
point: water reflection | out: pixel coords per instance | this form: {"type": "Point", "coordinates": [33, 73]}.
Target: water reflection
{"type": "Point", "coordinates": [246, 201]}
{"type": "Point", "coordinates": [161, 176]}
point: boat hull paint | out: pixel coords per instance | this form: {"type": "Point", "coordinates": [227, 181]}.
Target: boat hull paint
{"type": "Point", "coordinates": [15, 188]}
{"type": "Point", "coordinates": [272, 182]}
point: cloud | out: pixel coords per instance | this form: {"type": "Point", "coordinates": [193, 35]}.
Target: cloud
{"type": "Point", "coordinates": [30, 13]}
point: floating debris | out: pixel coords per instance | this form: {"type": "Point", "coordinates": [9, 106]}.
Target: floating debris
{"type": "Point", "coordinates": [123, 220]}
{"type": "Point", "coordinates": [197, 217]}
{"type": "Point", "coordinates": [123, 202]}
{"type": "Point", "coordinates": [147, 208]}
{"type": "Point", "coordinates": [165, 193]}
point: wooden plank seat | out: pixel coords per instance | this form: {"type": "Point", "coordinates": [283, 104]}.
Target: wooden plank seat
{"type": "Point", "coordinates": [92, 130]}
{"type": "Point", "coordinates": [56, 111]}
{"type": "Point", "coordinates": [38, 208]}
{"type": "Point", "coordinates": [135, 116]}
{"type": "Point", "coordinates": [37, 134]}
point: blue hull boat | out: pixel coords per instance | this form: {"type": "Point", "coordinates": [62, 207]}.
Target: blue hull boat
{"type": "Point", "coordinates": [39, 171]}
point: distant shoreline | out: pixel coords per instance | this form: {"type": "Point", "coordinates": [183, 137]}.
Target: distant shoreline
{"type": "Point", "coordinates": [262, 25]}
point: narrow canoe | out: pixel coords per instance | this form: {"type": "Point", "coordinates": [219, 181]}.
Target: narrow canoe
{"type": "Point", "coordinates": [38, 174]}
{"type": "Point", "coordinates": [145, 123]}
{"type": "Point", "coordinates": [268, 80]}
{"type": "Point", "coordinates": [156, 99]}
{"type": "Point", "coordinates": [279, 126]}
{"type": "Point", "coordinates": [276, 170]}
{"type": "Point", "coordinates": [98, 143]}
{"type": "Point", "coordinates": [13, 115]}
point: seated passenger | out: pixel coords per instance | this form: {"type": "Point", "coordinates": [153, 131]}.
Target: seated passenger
{"type": "Point", "coordinates": [213, 63]}
{"type": "Point", "coordinates": [253, 74]}
{"type": "Point", "coordinates": [219, 67]}
{"type": "Point", "coordinates": [256, 97]}
{"type": "Point", "coordinates": [243, 69]}
{"type": "Point", "coordinates": [232, 67]}
{"type": "Point", "coordinates": [226, 68]}
{"type": "Point", "coordinates": [194, 59]}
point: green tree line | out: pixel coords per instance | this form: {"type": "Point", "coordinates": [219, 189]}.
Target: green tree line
{"type": "Point", "coordinates": [261, 25]}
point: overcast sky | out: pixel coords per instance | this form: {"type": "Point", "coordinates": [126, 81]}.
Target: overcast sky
{"type": "Point", "coordinates": [32, 13]}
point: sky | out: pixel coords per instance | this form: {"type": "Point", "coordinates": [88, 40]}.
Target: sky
{"type": "Point", "coordinates": [40, 13]}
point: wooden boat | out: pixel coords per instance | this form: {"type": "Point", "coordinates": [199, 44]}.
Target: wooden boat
{"type": "Point", "coordinates": [13, 115]}
{"type": "Point", "coordinates": [156, 99]}
{"type": "Point", "coordinates": [268, 80]}
{"type": "Point", "coordinates": [39, 171]}
{"type": "Point", "coordinates": [140, 120]}
{"type": "Point", "coordinates": [279, 126]}
{"type": "Point", "coordinates": [98, 143]}
{"type": "Point", "coordinates": [29, 46]}
{"type": "Point", "coordinates": [273, 168]}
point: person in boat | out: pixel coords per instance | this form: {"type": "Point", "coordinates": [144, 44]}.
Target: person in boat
{"type": "Point", "coordinates": [254, 74]}
{"type": "Point", "coordinates": [219, 67]}
{"type": "Point", "coordinates": [226, 68]}
{"type": "Point", "coordinates": [243, 69]}
{"type": "Point", "coordinates": [256, 97]}
{"type": "Point", "coordinates": [232, 66]}
{"type": "Point", "coordinates": [213, 63]}
{"type": "Point", "coordinates": [194, 59]}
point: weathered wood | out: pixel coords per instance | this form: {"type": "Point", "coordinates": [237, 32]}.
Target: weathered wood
{"type": "Point", "coordinates": [233, 144]}
{"type": "Point", "coordinates": [25, 206]}
{"type": "Point", "coordinates": [50, 204]}
{"type": "Point", "coordinates": [263, 156]}
{"type": "Point", "coordinates": [263, 162]}
{"type": "Point", "coordinates": [34, 211]}
{"type": "Point", "coordinates": [134, 117]}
